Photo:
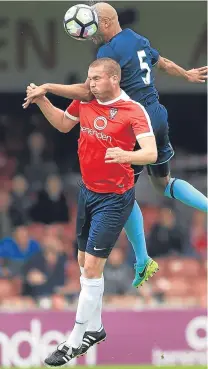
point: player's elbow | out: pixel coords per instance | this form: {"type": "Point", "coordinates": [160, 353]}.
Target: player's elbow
{"type": "Point", "coordinates": [63, 129]}
{"type": "Point", "coordinates": [152, 156]}
{"type": "Point", "coordinates": [152, 150]}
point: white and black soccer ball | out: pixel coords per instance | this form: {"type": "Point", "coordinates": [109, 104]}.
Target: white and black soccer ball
{"type": "Point", "coordinates": [81, 22]}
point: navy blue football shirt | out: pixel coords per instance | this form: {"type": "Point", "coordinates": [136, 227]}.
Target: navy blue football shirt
{"type": "Point", "coordinates": [136, 58]}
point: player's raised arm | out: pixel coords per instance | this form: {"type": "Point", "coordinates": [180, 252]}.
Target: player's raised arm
{"type": "Point", "coordinates": [80, 91]}
{"type": "Point", "coordinates": [63, 121]}
{"type": "Point", "coordinates": [74, 92]}
{"type": "Point", "coordinates": [198, 75]}
{"type": "Point", "coordinates": [56, 117]}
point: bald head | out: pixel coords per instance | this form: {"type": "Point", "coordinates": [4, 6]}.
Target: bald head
{"type": "Point", "coordinates": [107, 21]}
{"type": "Point", "coordinates": [105, 10]}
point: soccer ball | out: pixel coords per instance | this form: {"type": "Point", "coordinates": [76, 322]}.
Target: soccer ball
{"type": "Point", "coordinates": [81, 22]}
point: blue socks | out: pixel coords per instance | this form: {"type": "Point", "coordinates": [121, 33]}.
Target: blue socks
{"type": "Point", "coordinates": [176, 189]}
{"type": "Point", "coordinates": [186, 193]}
{"type": "Point", "coordinates": [134, 229]}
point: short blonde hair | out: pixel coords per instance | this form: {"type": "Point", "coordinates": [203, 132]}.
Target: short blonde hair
{"type": "Point", "coordinates": [111, 67]}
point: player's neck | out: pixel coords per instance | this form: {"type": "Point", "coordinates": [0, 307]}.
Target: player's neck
{"type": "Point", "coordinates": [111, 97]}
{"type": "Point", "coordinates": [113, 33]}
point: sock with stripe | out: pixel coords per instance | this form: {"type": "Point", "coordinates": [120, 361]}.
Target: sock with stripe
{"type": "Point", "coordinates": [187, 194]}
{"type": "Point", "coordinates": [88, 300]}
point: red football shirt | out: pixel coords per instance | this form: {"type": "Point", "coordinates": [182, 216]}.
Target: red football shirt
{"type": "Point", "coordinates": [115, 123]}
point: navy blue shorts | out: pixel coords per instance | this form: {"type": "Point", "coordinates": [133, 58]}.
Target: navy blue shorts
{"type": "Point", "coordinates": [100, 219]}
{"type": "Point", "coordinates": [159, 120]}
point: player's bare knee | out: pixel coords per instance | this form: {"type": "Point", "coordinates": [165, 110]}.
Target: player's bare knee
{"type": "Point", "coordinates": [91, 271]}
{"type": "Point", "coordinates": [93, 266]}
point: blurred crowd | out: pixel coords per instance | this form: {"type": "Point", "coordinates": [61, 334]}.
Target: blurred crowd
{"type": "Point", "coordinates": [38, 196]}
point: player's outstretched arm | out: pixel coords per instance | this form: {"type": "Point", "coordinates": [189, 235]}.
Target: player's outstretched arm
{"type": "Point", "coordinates": [198, 75]}
{"type": "Point", "coordinates": [146, 155]}
{"type": "Point", "coordinates": [79, 91]}
{"type": "Point", "coordinates": [55, 116]}
{"type": "Point", "coordinates": [74, 92]}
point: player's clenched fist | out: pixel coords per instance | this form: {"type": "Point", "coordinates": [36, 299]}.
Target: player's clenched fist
{"type": "Point", "coordinates": [117, 155]}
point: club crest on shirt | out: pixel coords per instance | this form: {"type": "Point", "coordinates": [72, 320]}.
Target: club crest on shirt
{"type": "Point", "coordinates": [113, 112]}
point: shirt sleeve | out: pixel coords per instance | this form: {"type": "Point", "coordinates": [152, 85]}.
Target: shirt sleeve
{"type": "Point", "coordinates": [141, 123]}
{"type": "Point", "coordinates": [106, 51]}
{"type": "Point", "coordinates": [155, 56]}
{"type": "Point", "coordinates": [72, 112]}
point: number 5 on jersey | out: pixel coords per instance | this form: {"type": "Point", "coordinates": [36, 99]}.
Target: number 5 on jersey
{"type": "Point", "coordinates": [144, 66]}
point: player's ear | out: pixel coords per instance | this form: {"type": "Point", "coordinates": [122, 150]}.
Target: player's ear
{"type": "Point", "coordinates": [107, 22]}
{"type": "Point", "coordinates": [115, 79]}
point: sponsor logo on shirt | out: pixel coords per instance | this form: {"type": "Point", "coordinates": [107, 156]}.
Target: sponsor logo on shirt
{"type": "Point", "coordinates": [100, 123]}
{"type": "Point", "coordinates": [99, 135]}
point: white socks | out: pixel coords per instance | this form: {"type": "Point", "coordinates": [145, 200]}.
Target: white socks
{"type": "Point", "coordinates": [96, 322]}
{"type": "Point", "coordinates": [89, 298]}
